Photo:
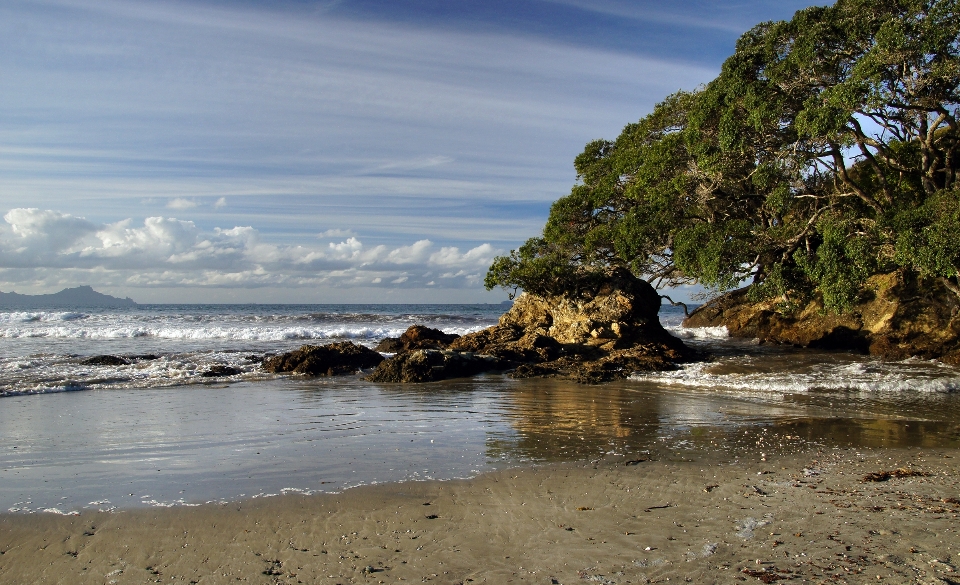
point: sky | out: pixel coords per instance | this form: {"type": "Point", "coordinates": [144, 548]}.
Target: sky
{"type": "Point", "coordinates": [295, 151]}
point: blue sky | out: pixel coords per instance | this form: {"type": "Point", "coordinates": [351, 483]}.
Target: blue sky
{"type": "Point", "coordinates": [304, 151]}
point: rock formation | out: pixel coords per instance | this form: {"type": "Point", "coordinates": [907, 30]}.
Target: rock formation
{"type": "Point", "coordinates": [606, 335]}
{"type": "Point", "coordinates": [326, 360]}
{"type": "Point", "coordinates": [220, 371]}
{"type": "Point", "coordinates": [417, 337]}
{"type": "Point", "coordinates": [899, 316]}
{"type": "Point", "coordinates": [431, 365]}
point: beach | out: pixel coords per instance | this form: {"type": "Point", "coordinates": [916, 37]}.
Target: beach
{"type": "Point", "coordinates": [750, 466]}
{"type": "Point", "coordinates": [787, 517]}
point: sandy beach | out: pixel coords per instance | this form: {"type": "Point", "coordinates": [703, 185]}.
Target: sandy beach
{"type": "Point", "coordinates": [813, 516]}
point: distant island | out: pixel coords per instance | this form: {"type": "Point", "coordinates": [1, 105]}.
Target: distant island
{"type": "Point", "coordinates": [81, 296]}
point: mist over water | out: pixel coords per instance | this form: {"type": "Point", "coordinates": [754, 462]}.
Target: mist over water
{"type": "Point", "coordinates": [156, 433]}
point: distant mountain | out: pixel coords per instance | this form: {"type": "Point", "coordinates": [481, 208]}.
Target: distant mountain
{"type": "Point", "coordinates": [81, 296]}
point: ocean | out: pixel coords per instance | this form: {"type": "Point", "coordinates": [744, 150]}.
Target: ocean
{"type": "Point", "coordinates": [157, 432]}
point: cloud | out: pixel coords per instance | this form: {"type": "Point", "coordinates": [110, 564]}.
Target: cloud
{"type": "Point", "coordinates": [32, 236]}
{"type": "Point", "coordinates": [680, 15]}
{"type": "Point", "coordinates": [336, 233]}
{"type": "Point", "coordinates": [166, 251]}
{"type": "Point", "coordinates": [276, 122]}
{"type": "Point", "coordinates": [181, 203]}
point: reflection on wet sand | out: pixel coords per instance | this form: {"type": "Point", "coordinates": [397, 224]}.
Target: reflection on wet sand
{"type": "Point", "coordinates": [868, 433]}
{"type": "Point", "coordinates": [558, 420]}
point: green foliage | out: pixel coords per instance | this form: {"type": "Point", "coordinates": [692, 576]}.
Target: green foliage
{"type": "Point", "coordinates": [929, 236]}
{"type": "Point", "coordinates": [825, 151]}
{"type": "Point", "coordinates": [539, 266]}
{"type": "Point", "coordinates": [840, 265]}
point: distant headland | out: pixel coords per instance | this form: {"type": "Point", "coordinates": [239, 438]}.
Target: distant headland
{"type": "Point", "coordinates": [81, 296]}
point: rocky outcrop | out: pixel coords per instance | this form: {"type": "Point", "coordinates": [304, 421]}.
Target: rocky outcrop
{"type": "Point", "coordinates": [899, 316]}
{"type": "Point", "coordinates": [608, 334]}
{"type": "Point", "coordinates": [417, 337]}
{"type": "Point", "coordinates": [324, 360]}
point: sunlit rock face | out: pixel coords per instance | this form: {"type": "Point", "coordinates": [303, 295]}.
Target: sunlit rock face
{"type": "Point", "coordinates": [622, 310]}
{"type": "Point", "coordinates": [605, 334]}
{"type": "Point", "coordinates": [898, 316]}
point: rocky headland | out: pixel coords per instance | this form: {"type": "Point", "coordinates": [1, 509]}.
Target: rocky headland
{"type": "Point", "coordinates": [77, 297]}
{"type": "Point", "coordinates": [898, 316]}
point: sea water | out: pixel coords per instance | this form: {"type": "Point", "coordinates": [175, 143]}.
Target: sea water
{"type": "Point", "coordinates": [156, 432]}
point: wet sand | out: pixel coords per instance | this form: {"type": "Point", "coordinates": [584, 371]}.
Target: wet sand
{"type": "Point", "coordinates": [797, 517]}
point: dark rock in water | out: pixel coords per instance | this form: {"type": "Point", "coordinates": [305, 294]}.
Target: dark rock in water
{"type": "Point", "coordinates": [389, 345]}
{"type": "Point", "coordinates": [417, 337]}
{"type": "Point", "coordinates": [326, 360]}
{"type": "Point", "coordinates": [220, 371]}
{"type": "Point", "coordinates": [106, 360]}
{"type": "Point", "coordinates": [606, 335]}
{"type": "Point", "coordinates": [147, 357]}
{"type": "Point", "coordinates": [431, 365]}
{"type": "Point", "coordinates": [899, 316]}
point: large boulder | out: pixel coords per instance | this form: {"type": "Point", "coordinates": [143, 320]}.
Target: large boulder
{"type": "Point", "coordinates": [417, 337]}
{"type": "Point", "coordinates": [606, 334]}
{"type": "Point", "coordinates": [431, 365]}
{"type": "Point", "coordinates": [324, 360]}
{"type": "Point", "coordinates": [622, 309]}
{"type": "Point", "coordinates": [898, 316]}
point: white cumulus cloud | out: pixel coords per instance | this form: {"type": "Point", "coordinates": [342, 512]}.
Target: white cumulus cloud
{"type": "Point", "coordinates": [166, 251]}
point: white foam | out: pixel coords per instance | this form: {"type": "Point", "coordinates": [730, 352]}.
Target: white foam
{"type": "Point", "coordinates": [867, 376]}
{"type": "Point", "coordinates": [214, 332]}
{"type": "Point", "coordinates": [40, 316]}
{"type": "Point", "coordinates": [60, 512]}
{"type": "Point", "coordinates": [57, 373]}
{"type": "Point", "coordinates": [720, 332]}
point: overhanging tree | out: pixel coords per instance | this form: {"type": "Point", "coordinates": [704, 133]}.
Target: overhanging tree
{"type": "Point", "coordinates": [823, 153]}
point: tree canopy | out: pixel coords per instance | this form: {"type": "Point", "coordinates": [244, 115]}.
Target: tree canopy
{"type": "Point", "coordinates": [825, 151]}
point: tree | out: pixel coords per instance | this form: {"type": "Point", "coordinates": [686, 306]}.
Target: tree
{"type": "Point", "coordinates": [823, 153]}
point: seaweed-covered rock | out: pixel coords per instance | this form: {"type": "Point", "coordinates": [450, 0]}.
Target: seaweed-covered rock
{"type": "Point", "coordinates": [324, 360]}
{"type": "Point", "coordinates": [431, 365]}
{"type": "Point", "coordinates": [898, 316]}
{"type": "Point", "coordinates": [417, 337]}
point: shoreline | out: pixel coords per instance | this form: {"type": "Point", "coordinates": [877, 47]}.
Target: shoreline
{"type": "Point", "coordinates": [807, 516]}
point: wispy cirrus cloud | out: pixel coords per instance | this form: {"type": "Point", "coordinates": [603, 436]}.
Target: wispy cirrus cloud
{"type": "Point", "coordinates": [378, 124]}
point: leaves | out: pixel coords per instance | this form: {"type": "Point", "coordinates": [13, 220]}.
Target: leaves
{"type": "Point", "coordinates": [825, 151]}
